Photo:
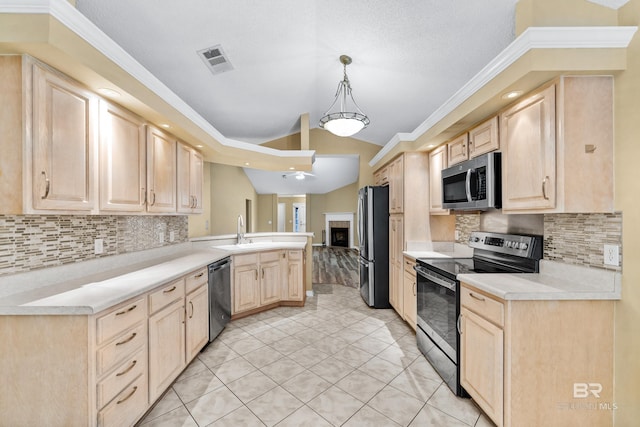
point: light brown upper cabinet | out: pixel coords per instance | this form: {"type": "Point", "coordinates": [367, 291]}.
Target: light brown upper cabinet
{"type": "Point", "coordinates": [190, 168]}
{"type": "Point", "coordinates": [161, 171]}
{"type": "Point", "coordinates": [63, 144]}
{"type": "Point", "coordinates": [437, 162]}
{"type": "Point", "coordinates": [557, 147]}
{"type": "Point", "coordinates": [396, 185]}
{"type": "Point", "coordinates": [457, 149]}
{"type": "Point", "coordinates": [484, 138]}
{"type": "Point", "coordinates": [481, 139]}
{"type": "Point", "coordinates": [123, 157]}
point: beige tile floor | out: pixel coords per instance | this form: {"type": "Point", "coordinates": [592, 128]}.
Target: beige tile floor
{"type": "Point", "coordinates": [334, 361]}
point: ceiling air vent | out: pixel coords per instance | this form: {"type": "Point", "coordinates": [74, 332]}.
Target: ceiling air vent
{"type": "Point", "coordinates": [215, 58]}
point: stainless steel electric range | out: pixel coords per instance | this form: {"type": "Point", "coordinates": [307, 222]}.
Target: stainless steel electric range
{"type": "Point", "coordinates": [439, 293]}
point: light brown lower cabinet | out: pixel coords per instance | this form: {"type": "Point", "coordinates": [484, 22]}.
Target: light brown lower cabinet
{"type": "Point", "coordinates": [538, 362]}
{"type": "Point", "coordinates": [410, 293]}
{"type": "Point", "coordinates": [105, 369]}
{"type": "Point", "coordinates": [263, 280]}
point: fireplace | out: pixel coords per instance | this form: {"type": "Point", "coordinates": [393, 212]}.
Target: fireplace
{"type": "Point", "coordinates": [338, 231]}
{"type": "Point", "coordinates": [339, 236]}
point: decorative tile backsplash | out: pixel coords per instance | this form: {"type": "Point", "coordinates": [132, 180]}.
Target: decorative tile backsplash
{"type": "Point", "coordinates": [465, 224]}
{"type": "Point", "coordinates": [576, 239]}
{"type": "Point", "coordinates": [29, 242]}
{"type": "Point", "coordinates": [579, 239]}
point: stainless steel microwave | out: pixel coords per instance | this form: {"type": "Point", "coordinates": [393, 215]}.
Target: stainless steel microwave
{"type": "Point", "coordinates": [473, 184]}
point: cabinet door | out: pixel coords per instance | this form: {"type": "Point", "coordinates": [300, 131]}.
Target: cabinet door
{"type": "Point", "coordinates": [437, 162]}
{"type": "Point", "coordinates": [161, 171]}
{"type": "Point", "coordinates": [295, 288]}
{"type": "Point", "coordinates": [196, 180]}
{"type": "Point", "coordinates": [410, 296]}
{"type": "Point", "coordinates": [457, 149]}
{"type": "Point", "coordinates": [190, 168]}
{"type": "Point", "coordinates": [245, 288]}
{"type": "Point", "coordinates": [483, 138]}
{"type": "Point", "coordinates": [270, 287]}
{"type": "Point", "coordinates": [482, 363]}
{"type": "Point", "coordinates": [63, 144]}
{"type": "Point", "coordinates": [528, 140]}
{"type": "Point", "coordinates": [166, 347]}
{"type": "Point", "coordinates": [396, 186]}
{"type": "Point", "coordinates": [395, 257]}
{"type": "Point", "coordinates": [197, 322]}
{"type": "Point", "coordinates": [123, 175]}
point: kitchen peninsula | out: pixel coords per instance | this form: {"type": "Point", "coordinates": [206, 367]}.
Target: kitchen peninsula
{"type": "Point", "coordinates": [86, 350]}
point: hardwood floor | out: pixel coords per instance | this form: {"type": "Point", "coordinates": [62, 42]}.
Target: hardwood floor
{"type": "Point", "coordinates": [335, 265]}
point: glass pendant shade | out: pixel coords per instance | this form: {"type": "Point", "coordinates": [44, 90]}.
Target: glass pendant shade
{"type": "Point", "coordinates": [349, 119]}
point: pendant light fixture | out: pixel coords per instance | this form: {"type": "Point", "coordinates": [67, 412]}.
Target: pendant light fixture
{"type": "Point", "coordinates": [349, 120]}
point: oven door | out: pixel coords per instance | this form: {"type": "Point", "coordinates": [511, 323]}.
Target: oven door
{"type": "Point", "coordinates": [437, 309]}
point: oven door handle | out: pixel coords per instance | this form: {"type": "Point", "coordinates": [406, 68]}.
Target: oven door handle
{"type": "Point", "coordinates": [435, 279]}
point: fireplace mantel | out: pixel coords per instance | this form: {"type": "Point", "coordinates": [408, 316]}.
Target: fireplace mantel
{"type": "Point", "coordinates": [339, 216]}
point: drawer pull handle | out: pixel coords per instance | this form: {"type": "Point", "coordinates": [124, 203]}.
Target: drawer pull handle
{"type": "Point", "coordinates": [166, 291]}
{"type": "Point", "coordinates": [199, 275]}
{"type": "Point", "coordinates": [133, 335]}
{"type": "Point", "coordinates": [472, 295]}
{"type": "Point", "coordinates": [128, 396]}
{"type": "Point", "coordinates": [191, 304]}
{"type": "Point", "coordinates": [133, 364]}
{"type": "Point", "coordinates": [133, 307]}
{"type": "Point", "coordinates": [414, 289]}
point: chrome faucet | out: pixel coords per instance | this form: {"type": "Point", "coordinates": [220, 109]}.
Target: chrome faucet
{"type": "Point", "coordinates": [239, 232]}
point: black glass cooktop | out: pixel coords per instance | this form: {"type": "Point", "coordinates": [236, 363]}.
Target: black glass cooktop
{"type": "Point", "coordinates": [451, 267]}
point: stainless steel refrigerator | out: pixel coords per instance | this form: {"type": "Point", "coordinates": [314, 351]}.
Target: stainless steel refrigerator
{"type": "Point", "coordinates": [373, 242]}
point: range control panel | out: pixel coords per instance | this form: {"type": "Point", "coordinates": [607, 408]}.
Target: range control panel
{"type": "Point", "coordinates": [529, 246]}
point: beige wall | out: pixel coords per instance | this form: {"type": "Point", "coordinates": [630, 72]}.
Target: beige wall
{"type": "Point", "coordinates": [267, 220]}
{"type": "Point", "coordinates": [229, 189]}
{"type": "Point", "coordinates": [627, 153]}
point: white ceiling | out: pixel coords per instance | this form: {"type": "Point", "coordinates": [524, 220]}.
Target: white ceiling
{"type": "Point", "coordinates": [409, 56]}
{"type": "Point", "coordinates": [329, 173]}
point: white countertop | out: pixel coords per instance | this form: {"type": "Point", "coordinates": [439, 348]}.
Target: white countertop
{"type": "Point", "coordinates": [93, 292]}
{"type": "Point", "coordinates": [439, 250]}
{"type": "Point", "coordinates": [556, 281]}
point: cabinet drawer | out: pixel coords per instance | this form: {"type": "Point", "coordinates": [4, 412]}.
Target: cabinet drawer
{"type": "Point", "coordinates": [166, 295]}
{"type": "Point", "coordinates": [482, 305]}
{"type": "Point", "coordinates": [195, 279]}
{"type": "Point", "coordinates": [120, 348]}
{"type": "Point", "coordinates": [269, 256]}
{"type": "Point", "coordinates": [408, 266]}
{"type": "Point", "coordinates": [246, 259]}
{"type": "Point", "coordinates": [120, 319]}
{"type": "Point", "coordinates": [127, 406]}
{"type": "Point", "coordinates": [115, 382]}
{"type": "Point", "coordinates": [295, 255]}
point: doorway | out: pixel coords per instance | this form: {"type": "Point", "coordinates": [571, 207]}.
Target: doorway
{"type": "Point", "coordinates": [299, 217]}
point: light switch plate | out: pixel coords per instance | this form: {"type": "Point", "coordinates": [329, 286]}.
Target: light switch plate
{"type": "Point", "coordinates": [161, 237]}
{"type": "Point", "coordinates": [611, 255]}
{"type": "Point", "coordinates": [98, 246]}
{"type": "Point", "coordinates": [172, 236]}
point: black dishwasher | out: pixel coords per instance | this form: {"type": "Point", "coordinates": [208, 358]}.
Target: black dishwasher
{"type": "Point", "coordinates": [219, 296]}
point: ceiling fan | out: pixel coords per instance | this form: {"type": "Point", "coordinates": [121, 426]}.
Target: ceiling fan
{"type": "Point", "coordinates": [299, 175]}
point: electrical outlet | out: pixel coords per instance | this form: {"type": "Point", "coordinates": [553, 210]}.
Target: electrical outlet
{"type": "Point", "coordinates": [457, 235]}
{"type": "Point", "coordinates": [161, 237]}
{"type": "Point", "coordinates": [172, 236]}
{"type": "Point", "coordinates": [98, 246]}
{"type": "Point", "coordinates": [206, 225]}
{"type": "Point", "coordinates": [611, 255]}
